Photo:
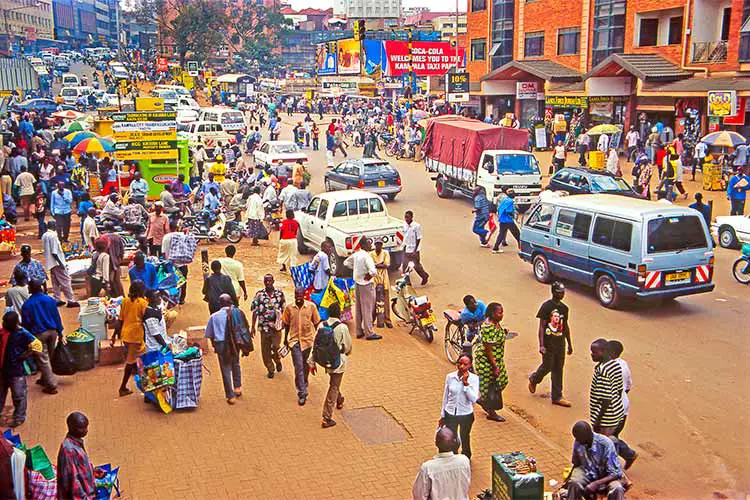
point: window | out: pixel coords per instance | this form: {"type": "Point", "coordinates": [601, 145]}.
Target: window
{"type": "Point", "coordinates": [323, 209]}
{"type": "Point", "coordinates": [478, 49]}
{"type": "Point", "coordinates": [312, 208]}
{"type": "Point", "coordinates": [376, 206]}
{"type": "Point", "coordinates": [568, 41]}
{"type": "Point", "coordinates": [675, 30]}
{"type": "Point", "coordinates": [477, 5]}
{"type": "Point", "coordinates": [541, 218]}
{"type": "Point", "coordinates": [669, 234]}
{"type": "Point", "coordinates": [534, 44]}
{"type": "Point", "coordinates": [612, 233]}
{"type": "Point", "coordinates": [725, 22]}
{"type": "Point", "coordinates": [573, 224]}
{"type": "Point", "coordinates": [609, 29]}
{"type": "Point", "coordinates": [649, 32]}
{"type": "Point", "coordinates": [353, 207]}
{"type": "Point", "coordinates": [503, 12]}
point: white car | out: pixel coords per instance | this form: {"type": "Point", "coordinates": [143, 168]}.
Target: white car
{"type": "Point", "coordinates": [731, 231]}
{"type": "Point", "coordinates": [277, 153]}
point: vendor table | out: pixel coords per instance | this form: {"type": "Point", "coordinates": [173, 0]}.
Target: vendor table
{"type": "Point", "coordinates": [509, 485]}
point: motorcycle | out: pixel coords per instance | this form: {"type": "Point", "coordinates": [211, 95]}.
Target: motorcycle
{"type": "Point", "coordinates": [412, 309]}
{"type": "Point", "coordinates": [741, 266]}
{"type": "Point", "coordinates": [274, 215]}
{"type": "Point", "coordinates": [203, 229]}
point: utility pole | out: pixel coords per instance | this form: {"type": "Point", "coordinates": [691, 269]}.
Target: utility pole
{"type": "Point", "coordinates": [457, 60]}
{"type": "Point", "coordinates": [411, 77]}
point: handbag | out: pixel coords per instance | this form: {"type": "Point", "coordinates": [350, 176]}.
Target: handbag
{"type": "Point", "coordinates": [494, 399]}
{"type": "Point", "coordinates": [63, 362]}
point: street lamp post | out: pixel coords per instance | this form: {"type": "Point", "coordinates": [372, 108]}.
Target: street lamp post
{"type": "Point", "coordinates": [411, 77]}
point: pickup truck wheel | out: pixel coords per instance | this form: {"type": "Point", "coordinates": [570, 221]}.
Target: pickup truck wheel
{"type": "Point", "coordinates": [301, 247]}
{"type": "Point", "coordinates": [337, 264]}
{"type": "Point", "coordinates": [442, 190]}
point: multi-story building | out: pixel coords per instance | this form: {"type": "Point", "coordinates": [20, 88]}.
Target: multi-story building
{"type": "Point", "coordinates": [377, 13]}
{"type": "Point", "coordinates": [442, 22]}
{"type": "Point", "coordinates": [621, 61]}
{"type": "Point", "coordinates": [27, 25]}
{"type": "Point", "coordinates": [87, 32]}
{"type": "Point", "coordinates": [64, 16]}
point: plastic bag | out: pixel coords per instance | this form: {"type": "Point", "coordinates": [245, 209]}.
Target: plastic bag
{"type": "Point", "coordinates": [37, 459]}
{"type": "Point", "coordinates": [63, 362]}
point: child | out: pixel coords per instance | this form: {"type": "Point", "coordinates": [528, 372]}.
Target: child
{"type": "Point", "coordinates": [19, 343]}
{"type": "Point", "coordinates": [615, 350]}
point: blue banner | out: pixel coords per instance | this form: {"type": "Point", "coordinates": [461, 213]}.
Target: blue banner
{"type": "Point", "coordinates": [375, 58]}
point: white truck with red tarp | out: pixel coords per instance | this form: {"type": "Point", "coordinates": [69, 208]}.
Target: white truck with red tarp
{"type": "Point", "coordinates": [467, 153]}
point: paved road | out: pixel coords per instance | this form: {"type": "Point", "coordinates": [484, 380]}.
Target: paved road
{"type": "Point", "coordinates": [688, 357]}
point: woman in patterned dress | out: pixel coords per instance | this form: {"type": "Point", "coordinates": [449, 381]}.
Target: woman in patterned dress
{"type": "Point", "coordinates": [489, 360]}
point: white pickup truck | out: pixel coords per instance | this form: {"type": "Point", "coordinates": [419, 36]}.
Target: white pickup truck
{"type": "Point", "coordinates": [345, 218]}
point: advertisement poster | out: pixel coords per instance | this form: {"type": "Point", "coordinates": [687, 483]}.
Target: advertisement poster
{"type": "Point", "coordinates": [739, 117]}
{"type": "Point", "coordinates": [348, 57]}
{"type": "Point", "coordinates": [326, 60]}
{"type": "Point", "coordinates": [526, 90]}
{"type": "Point", "coordinates": [457, 83]}
{"type": "Point", "coordinates": [428, 58]}
{"type": "Point", "coordinates": [374, 57]}
{"type": "Point", "coordinates": [722, 102]}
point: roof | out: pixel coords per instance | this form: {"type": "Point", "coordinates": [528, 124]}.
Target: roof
{"type": "Point", "coordinates": [541, 68]}
{"type": "Point", "coordinates": [633, 208]}
{"type": "Point", "coordinates": [701, 84]}
{"type": "Point", "coordinates": [346, 195]}
{"type": "Point", "coordinates": [647, 67]}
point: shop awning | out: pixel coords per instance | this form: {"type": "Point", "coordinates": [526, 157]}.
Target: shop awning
{"type": "Point", "coordinates": [646, 67]}
{"type": "Point", "coordinates": [539, 68]}
{"type": "Point", "coordinates": [700, 84]}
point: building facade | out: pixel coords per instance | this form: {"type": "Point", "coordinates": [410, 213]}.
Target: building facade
{"type": "Point", "coordinates": [27, 25]}
{"type": "Point", "coordinates": [389, 11]}
{"type": "Point", "coordinates": [443, 22]}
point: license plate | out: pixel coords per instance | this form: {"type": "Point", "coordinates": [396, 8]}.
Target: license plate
{"type": "Point", "coordinates": [677, 278]}
{"type": "Point", "coordinates": [381, 184]}
{"type": "Point", "coordinates": [428, 320]}
{"type": "Point", "coordinates": [522, 200]}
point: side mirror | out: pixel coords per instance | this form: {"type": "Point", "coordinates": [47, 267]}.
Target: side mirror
{"type": "Point", "coordinates": [489, 167]}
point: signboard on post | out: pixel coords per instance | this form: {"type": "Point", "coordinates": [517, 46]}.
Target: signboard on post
{"type": "Point", "coordinates": [722, 103]}
{"type": "Point", "coordinates": [192, 68]}
{"type": "Point", "coordinates": [457, 86]}
{"type": "Point", "coordinates": [145, 135]}
{"type": "Point", "coordinates": [526, 90]}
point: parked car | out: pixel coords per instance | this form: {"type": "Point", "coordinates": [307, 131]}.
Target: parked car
{"type": "Point", "coordinates": [278, 153]}
{"type": "Point", "coordinates": [344, 218]}
{"type": "Point", "coordinates": [731, 231]}
{"type": "Point", "coordinates": [575, 180]}
{"type": "Point", "coordinates": [209, 134]}
{"type": "Point", "coordinates": [371, 174]}
{"type": "Point", "coordinates": [38, 105]}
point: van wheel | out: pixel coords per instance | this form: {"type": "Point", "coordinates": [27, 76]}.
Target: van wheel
{"type": "Point", "coordinates": [442, 189]}
{"type": "Point", "coordinates": [727, 238]}
{"type": "Point", "coordinates": [541, 269]}
{"type": "Point", "coordinates": [606, 291]}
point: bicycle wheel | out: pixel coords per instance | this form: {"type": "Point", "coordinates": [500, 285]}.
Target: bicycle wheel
{"type": "Point", "coordinates": [400, 309]}
{"type": "Point", "coordinates": [454, 339]}
{"type": "Point", "coordinates": [391, 149]}
{"type": "Point", "coordinates": [741, 271]}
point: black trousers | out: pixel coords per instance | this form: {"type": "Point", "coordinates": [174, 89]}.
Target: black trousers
{"type": "Point", "coordinates": [553, 361]}
{"type": "Point", "coordinates": [461, 425]}
{"type": "Point", "coordinates": [183, 288]}
{"type": "Point", "coordinates": [63, 226]}
{"type": "Point", "coordinates": [504, 228]}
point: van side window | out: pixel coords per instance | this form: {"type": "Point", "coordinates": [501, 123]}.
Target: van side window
{"type": "Point", "coordinates": [541, 218]}
{"type": "Point", "coordinates": [573, 224]}
{"type": "Point", "coordinates": [363, 206]}
{"type": "Point", "coordinates": [612, 233]}
{"type": "Point", "coordinates": [353, 207]}
{"type": "Point", "coordinates": [323, 209]}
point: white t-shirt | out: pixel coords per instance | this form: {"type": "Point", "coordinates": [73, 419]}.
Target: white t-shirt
{"type": "Point", "coordinates": [700, 150]}
{"type": "Point", "coordinates": [560, 152]}
{"type": "Point", "coordinates": [627, 383]}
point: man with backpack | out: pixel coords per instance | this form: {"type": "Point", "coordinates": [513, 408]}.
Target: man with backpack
{"type": "Point", "coordinates": [299, 320]}
{"type": "Point", "coordinates": [332, 346]}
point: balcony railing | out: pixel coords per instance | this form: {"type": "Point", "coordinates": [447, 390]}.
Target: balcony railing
{"type": "Point", "coordinates": [709, 52]}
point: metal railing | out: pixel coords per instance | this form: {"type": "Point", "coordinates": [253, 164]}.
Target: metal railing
{"type": "Point", "coordinates": [710, 52]}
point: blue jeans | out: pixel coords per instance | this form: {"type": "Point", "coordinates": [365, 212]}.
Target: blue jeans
{"type": "Point", "coordinates": [478, 229]}
{"type": "Point", "coordinates": [229, 364]}
{"type": "Point", "coordinates": [299, 358]}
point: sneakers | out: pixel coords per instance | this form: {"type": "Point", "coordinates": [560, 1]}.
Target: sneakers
{"type": "Point", "coordinates": [340, 403]}
{"type": "Point", "coordinates": [484, 245]}
{"type": "Point", "coordinates": [532, 387]}
{"type": "Point", "coordinates": [497, 250]}
{"type": "Point", "coordinates": [328, 422]}
{"type": "Point", "coordinates": [562, 402]}
{"type": "Point", "coordinates": [238, 392]}
{"type": "Point", "coordinates": [278, 365]}
{"type": "Point", "coordinates": [270, 375]}
{"type": "Point", "coordinates": [302, 400]}
{"type": "Point", "coordinates": [374, 336]}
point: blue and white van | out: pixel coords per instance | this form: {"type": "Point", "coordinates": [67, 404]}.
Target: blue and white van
{"type": "Point", "coordinates": [623, 247]}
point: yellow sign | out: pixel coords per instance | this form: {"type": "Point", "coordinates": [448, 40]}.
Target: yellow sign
{"type": "Point", "coordinates": [188, 81]}
{"type": "Point", "coordinates": [145, 135]}
{"type": "Point", "coordinates": [722, 102]}
{"type": "Point", "coordinates": [149, 104]}
{"type": "Point", "coordinates": [309, 95]}
{"type": "Point", "coordinates": [6, 93]}
{"type": "Point", "coordinates": [144, 154]}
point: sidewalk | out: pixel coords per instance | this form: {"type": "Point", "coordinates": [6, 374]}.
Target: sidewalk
{"type": "Point", "coordinates": [267, 446]}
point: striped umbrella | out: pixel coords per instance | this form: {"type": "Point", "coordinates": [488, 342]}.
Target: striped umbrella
{"type": "Point", "coordinates": [74, 126]}
{"type": "Point", "coordinates": [75, 137]}
{"type": "Point", "coordinates": [94, 145]}
{"type": "Point", "coordinates": [724, 138]}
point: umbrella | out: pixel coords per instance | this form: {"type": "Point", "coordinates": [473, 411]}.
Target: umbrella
{"type": "Point", "coordinates": [94, 145]}
{"type": "Point", "coordinates": [419, 114]}
{"type": "Point", "coordinates": [603, 129]}
{"type": "Point", "coordinates": [68, 114]}
{"type": "Point", "coordinates": [74, 126]}
{"type": "Point", "coordinates": [725, 138]}
{"type": "Point", "coordinates": [75, 137]}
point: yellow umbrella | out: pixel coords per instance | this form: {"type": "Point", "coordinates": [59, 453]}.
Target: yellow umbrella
{"type": "Point", "coordinates": [724, 138]}
{"type": "Point", "coordinates": [603, 129]}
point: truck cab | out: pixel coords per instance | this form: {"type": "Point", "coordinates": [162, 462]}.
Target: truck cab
{"type": "Point", "coordinates": [506, 169]}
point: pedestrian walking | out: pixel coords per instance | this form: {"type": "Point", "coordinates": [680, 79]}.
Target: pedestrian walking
{"type": "Point", "coordinates": [553, 332]}
{"type": "Point", "coordinates": [300, 319]}
{"type": "Point", "coordinates": [144, 271]}
{"type": "Point", "coordinates": [382, 259]}
{"type": "Point", "coordinates": [447, 475]}
{"type": "Point", "coordinates": [413, 246]}
{"type": "Point", "coordinates": [154, 324]}
{"type": "Point", "coordinates": [489, 361]}
{"type": "Point", "coordinates": [364, 272]}
{"type": "Point", "coordinates": [235, 270]}
{"type": "Point", "coordinates": [54, 259]}
{"type": "Point", "coordinates": [267, 307]}
{"type": "Point", "coordinates": [25, 183]}
{"type": "Point", "coordinates": [218, 330]}
{"type": "Point", "coordinates": [18, 293]}
{"type": "Point", "coordinates": [321, 267]}
{"type": "Point", "coordinates": [61, 208]}
{"type": "Point", "coordinates": [30, 267]}
{"type": "Point", "coordinates": [158, 226]}
{"type": "Point", "coordinates": [460, 393]}
{"type": "Point", "coordinates": [332, 341]}
{"type": "Point", "coordinates": [595, 466]}
{"type": "Point", "coordinates": [17, 343]}
{"type": "Point", "coordinates": [89, 231]}
{"type": "Point", "coordinates": [100, 265]}
{"type": "Point", "coordinates": [75, 472]}
{"type": "Point", "coordinates": [481, 215]}
{"type": "Point", "coordinates": [254, 212]}
{"type": "Point", "coordinates": [558, 158]}
{"type": "Point", "coordinates": [116, 251]}
{"type": "Point", "coordinates": [506, 210]}
{"type": "Point", "coordinates": [288, 242]}
{"type": "Point", "coordinates": [605, 399]}
{"type": "Point", "coordinates": [215, 285]}
{"type": "Point", "coordinates": [615, 349]}
{"type": "Point", "coordinates": [129, 328]}
{"type": "Point", "coordinates": [737, 189]}
{"type": "Point", "coordinates": [632, 141]}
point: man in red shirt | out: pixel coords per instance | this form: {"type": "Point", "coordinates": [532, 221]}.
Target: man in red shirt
{"type": "Point", "coordinates": [288, 241]}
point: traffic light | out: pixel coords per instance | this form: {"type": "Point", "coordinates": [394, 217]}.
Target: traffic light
{"type": "Point", "coordinates": [359, 29]}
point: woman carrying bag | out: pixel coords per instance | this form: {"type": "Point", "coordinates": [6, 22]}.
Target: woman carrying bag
{"type": "Point", "coordinates": [461, 392]}
{"type": "Point", "coordinates": [490, 363]}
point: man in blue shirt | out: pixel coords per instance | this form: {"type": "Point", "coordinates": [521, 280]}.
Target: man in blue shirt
{"type": "Point", "coordinates": [210, 183]}
{"type": "Point", "coordinates": [61, 206]}
{"type": "Point", "coordinates": [481, 215]}
{"type": "Point", "coordinates": [144, 271]}
{"type": "Point", "coordinates": [505, 211]}
{"type": "Point", "coordinates": [473, 315]}
{"type": "Point", "coordinates": [737, 189]}
{"type": "Point", "coordinates": [138, 189]}
{"type": "Point", "coordinates": [40, 316]}
{"type": "Point", "coordinates": [596, 466]}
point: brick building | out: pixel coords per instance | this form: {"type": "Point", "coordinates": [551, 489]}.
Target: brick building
{"type": "Point", "coordinates": [613, 60]}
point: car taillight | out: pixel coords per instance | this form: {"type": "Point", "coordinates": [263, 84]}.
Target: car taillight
{"type": "Point", "coordinates": [361, 183]}
{"type": "Point", "coordinates": [348, 243]}
{"type": "Point", "coordinates": [642, 273]}
{"type": "Point", "coordinates": [279, 161]}
{"type": "Point", "coordinates": [398, 181]}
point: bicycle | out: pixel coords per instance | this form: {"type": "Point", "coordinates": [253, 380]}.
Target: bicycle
{"type": "Point", "coordinates": [456, 335]}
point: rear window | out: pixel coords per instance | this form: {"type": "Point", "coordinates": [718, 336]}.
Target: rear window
{"type": "Point", "coordinates": [669, 234]}
{"type": "Point", "coordinates": [284, 148]}
{"type": "Point", "coordinates": [339, 209]}
{"type": "Point", "coordinates": [376, 205]}
{"type": "Point", "coordinates": [232, 118]}
{"type": "Point", "coordinates": [378, 168]}
{"type": "Point", "coordinates": [612, 233]}
{"type": "Point", "coordinates": [69, 92]}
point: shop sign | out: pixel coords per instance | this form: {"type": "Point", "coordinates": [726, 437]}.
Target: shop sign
{"type": "Point", "coordinates": [739, 117]}
{"type": "Point", "coordinates": [164, 178]}
{"type": "Point", "coordinates": [722, 103]}
{"type": "Point", "coordinates": [566, 102]}
{"type": "Point", "coordinates": [149, 104]}
{"type": "Point", "coordinates": [458, 97]}
{"type": "Point", "coordinates": [457, 83]}
{"type": "Point", "coordinates": [526, 90]}
{"type": "Point", "coordinates": [348, 57]}
{"type": "Point", "coordinates": [162, 64]}
{"type": "Point", "coordinates": [152, 145]}
{"type": "Point", "coordinates": [142, 154]}
{"type": "Point", "coordinates": [427, 58]}
{"type": "Point", "coordinates": [146, 116]}
{"type": "Point", "coordinates": [143, 126]}
{"type": "Point", "coordinates": [145, 135]}
{"type": "Point", "coordinates": [192, 68]}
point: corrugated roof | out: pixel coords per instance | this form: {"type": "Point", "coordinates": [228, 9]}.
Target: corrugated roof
{"type": "Point", "coordinates": [541, 68]}
{"type": "Point", "coordinates": [643, 66]}
{"type": "Point", "coordinates": [702, 84]}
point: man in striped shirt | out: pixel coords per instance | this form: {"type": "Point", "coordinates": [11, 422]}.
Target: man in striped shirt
{"type": "Point", "coordinates": [605, 398]}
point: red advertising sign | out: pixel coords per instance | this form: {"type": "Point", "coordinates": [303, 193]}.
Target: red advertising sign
{"type": "Point", "coordinates": [739, 117]}
{"type": "Point", "coordinates": [428, 58]}
{"type": "Point", "coordinates": [162, 64]}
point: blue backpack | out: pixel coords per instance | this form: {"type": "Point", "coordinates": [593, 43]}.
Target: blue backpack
{"type": "Point", "coordinates": [325, 350]}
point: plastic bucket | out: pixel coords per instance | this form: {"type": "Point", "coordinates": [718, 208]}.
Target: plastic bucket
{"type": "Point", "coordinates": [83, 350]}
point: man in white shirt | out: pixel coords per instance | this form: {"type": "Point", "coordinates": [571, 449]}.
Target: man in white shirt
{"type": "Point", "coordinates": [631, 139]}
{"type": "Point", "coordinates": [445, 476]}
{"type": "Point", "coordinates": [699, 154]}
{"type": "Point", "coordinates": [254, 214]}
{"type": "Point", "coordinates": [559, 156]}
{"type": "Point", "coordinates": [269, 194]}
{"type": "Point", "coordinates": [413, 245]}
{"type": "Point", "coordinates": [54, 263]}
{"type": "Point", "coordinates": [364, 271]}
{"type": "Point", "coordinates": [603, 144]}
{"type": "Point", "coordinates": [90, 231]}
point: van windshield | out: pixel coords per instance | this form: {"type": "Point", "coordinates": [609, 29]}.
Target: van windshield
{"type": "Point", "coordinates": [669, 234]}
{"type": "Point", "coordinates": [516, 164]}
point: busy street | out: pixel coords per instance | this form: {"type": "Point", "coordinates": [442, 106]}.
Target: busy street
{"type": "Point", "coordinates": [220, 285]}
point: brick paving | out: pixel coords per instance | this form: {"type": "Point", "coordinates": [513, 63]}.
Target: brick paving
{"type": "Point", "coordinates": [266, 445]}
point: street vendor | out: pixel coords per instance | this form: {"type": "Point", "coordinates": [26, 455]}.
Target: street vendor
{"type": "Point", "coordinates": [154, 325]}
{"type": "Point", "coordinates": [596, 467]}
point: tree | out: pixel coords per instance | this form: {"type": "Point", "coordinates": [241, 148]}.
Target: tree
{"type": "Point", "coordinates": [256, 34]}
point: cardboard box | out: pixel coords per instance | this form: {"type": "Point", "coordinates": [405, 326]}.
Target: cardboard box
{"type": "Point", "coordinates": [111, 355]}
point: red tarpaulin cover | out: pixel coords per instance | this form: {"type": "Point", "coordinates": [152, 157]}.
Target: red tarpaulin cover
{"type": "Point", "coordinates": [459, 141]}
